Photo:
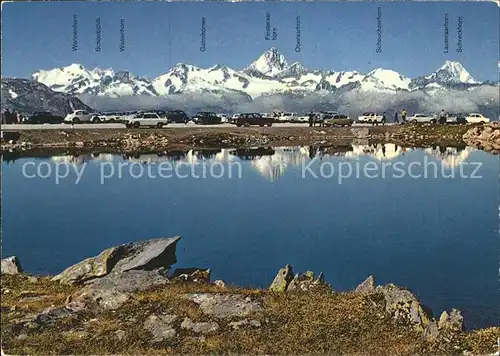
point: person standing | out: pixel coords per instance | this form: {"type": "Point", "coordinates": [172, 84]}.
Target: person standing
{"type": "Point", "coordinates": [442, 117]}
{"type": "Point", "coordinates": [311, 119]}
{"type": "Point", "coordinates": [403, 115]}
{"type": "Point", "coordinates": [384, 118]}
{"type": "Point", "coordinates": [396, 119]}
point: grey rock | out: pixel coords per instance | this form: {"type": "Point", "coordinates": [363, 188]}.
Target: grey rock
{"type": "Point", "coordinates": [143, 255]}
{"type": "Point", "coordinates": [282, 279]}
{"type": "Point", "coordinates": [245, 322]}
{"type": "Point", "coordinates": [201, 327]}
{"type": "Point", "coordinates": [11, 265]}
{"type": "Point", "coordinates": [160, 326]}
{"type": "Point", "coordinates": [34, 298]}
{"type": "Point", "coordinates": [113, 290]}
{"type": "Point", "coordinates": [225, 305]}
{"type": "Point", "coordinates": [431, 332]}
{"type": "Point", "coordinates": [53, 314]}
{"type": "Point", "coordinates": [89, 268]}
{"type": "Point", "coordinates": [454, 321]}
{"type": "Point", "coordinates": [148, 255]}
{"type": "Point", "coordinates": [367, 286]}
{"type": "Point", "coordinates": [404, 306]}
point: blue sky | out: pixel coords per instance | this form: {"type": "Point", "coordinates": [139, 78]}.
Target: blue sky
{"type": "Point", "coordinates": [336, 36]}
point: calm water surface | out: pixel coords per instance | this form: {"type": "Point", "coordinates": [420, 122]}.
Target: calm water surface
{"type": "Point", "coordinates": [438, 236]}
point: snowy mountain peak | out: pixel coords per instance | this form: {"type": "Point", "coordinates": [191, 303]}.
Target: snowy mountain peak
{"type": "Point", "coordinates": [388, 79]}
{"type": "Point", "coordinates": [270, 63]}
{"type": "Point", "coordinates": [452, 72]}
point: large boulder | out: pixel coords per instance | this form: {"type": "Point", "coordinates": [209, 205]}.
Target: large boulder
{"type": "Point", "coordinates": [114, 289]}
{"type": "Point", "coordinates": [143, 255]}
{"type": "Point", "coordinates": [225, 305]}
{"type": "Point", "coordinates": [11, 265]}
{"type": "Point", "coordinates": [282, 279]}
{"type": "Point", "coordinates": [404, 307]}
{"type": "Point", "coordinates": [89, 268]}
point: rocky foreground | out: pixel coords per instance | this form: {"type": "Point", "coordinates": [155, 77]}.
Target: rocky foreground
{"type": "Point", "coordinates": [485, 137]}
{"type": "Point", "coordinates": [158, 140]}
{"type": "Point", "coordinates": [126, 301]}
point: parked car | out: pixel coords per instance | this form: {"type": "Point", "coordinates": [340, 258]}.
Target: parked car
{"type": "Point", "coordinates": [233, 118]}
{"type": "Point", "coordinates": [305, 118]}
{"type": "Point", "coordinates": [206, 118]}
{"type": "Point", "coordinates": [79, 116]}
{"type": "Point", "coordinates": [370, 117]}
{"type": "Point", "coordinates": [422, 118]}
{"type": "Point", "coordinates": [148, 119]}
{"type": "Point", "coordinates": [110, 116]}
{"type": "Point", "coordinates": [456, 119]}
{"type": "Point", "coordinates": [287, 117]}
{"type": "Point", "coordinates": [223, 118]}
{"type": "Point", "coordinates": [43, 117]}
{"type": "Point", "coordinates": [475, 118]}
{"type": "Point", "coordinates": [253, 119]}
{"type": "Point", "coordinates": [338, 120]}
{"type": "Point", "coordinates": [177, 116]}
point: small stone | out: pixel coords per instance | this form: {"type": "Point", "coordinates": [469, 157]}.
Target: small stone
{"type": "Point", "coordinates": [120, 334]}
{"type": "Point", "coordinates": [238, 324]}
{"type": "Point", "coordinates": [75, 334]}
{"type": "Point", "coordinates": [282, 279]}
{"type": "Point", "coordinates": [202, 327]}
{"type": "Point", "coordinates": [22, 337]}
{"type": "Point", "coordinates": [219, 283]}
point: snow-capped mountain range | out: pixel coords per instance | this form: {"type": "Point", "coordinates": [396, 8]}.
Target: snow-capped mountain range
{"type": "Point", "coordinates": [269, 74]}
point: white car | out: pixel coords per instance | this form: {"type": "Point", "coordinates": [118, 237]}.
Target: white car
{"type": "Point", "coordinates": [147, 119]}
{"type": "Point", "coordinates": [421, 118]}
{"type": "Point", "coordinates": [475, 118]}
{"type": "Point", "coordinates": [110, 116]}
{"type": "Point", "coordinates": [370, 117]}
{"type": "Point", "coordinates": [223, 118]}
{"type": "Point", "coordinates": [303, 118]}
{"type": "Point", "coordinates": [78, 116]}
{"type": "Point", "coordinates": [287, 117]}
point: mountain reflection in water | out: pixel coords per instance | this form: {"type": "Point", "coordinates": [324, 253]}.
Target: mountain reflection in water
{"type": "Point", "coordinates": [270, 162]}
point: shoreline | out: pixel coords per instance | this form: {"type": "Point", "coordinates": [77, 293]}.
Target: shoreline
{"type": "Point", "coordinates": [128, 300]}
{"type": "Point", "coordinates": [158, 140]}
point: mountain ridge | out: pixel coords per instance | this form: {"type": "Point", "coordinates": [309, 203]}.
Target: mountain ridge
{"type": "Point", "coordinates": [269, 74]}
